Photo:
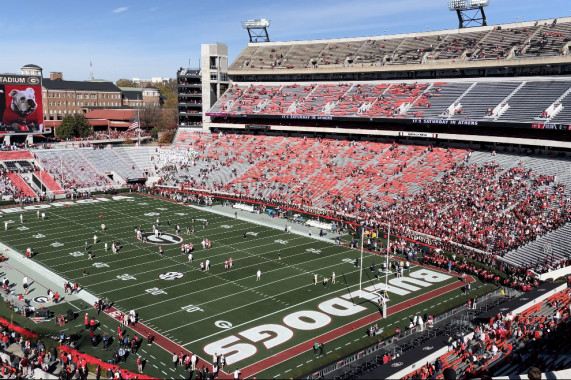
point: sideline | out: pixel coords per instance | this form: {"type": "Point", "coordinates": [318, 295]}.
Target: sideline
{"type": "Point", "coordinates": [37, 272]}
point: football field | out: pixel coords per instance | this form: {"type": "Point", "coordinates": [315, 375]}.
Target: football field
{"type": "Point", "coordinates": [265, 327]}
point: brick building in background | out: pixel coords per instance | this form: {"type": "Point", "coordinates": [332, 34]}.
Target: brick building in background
{"type": "Point", "coordinates": [63, 97]}
{"type": "Point", "coordinates": [134, 97]}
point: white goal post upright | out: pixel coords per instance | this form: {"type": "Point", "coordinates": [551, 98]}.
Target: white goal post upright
{"type": "Point", "coordinates": [361, 267]}
{"type": "Point", "coordinates": [387, 272]}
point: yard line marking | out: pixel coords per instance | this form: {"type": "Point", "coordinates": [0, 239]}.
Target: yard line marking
{"type": "Point", "coordinates": [261, 365]}
{"type": "Point", "coordinates": [243, 287]}
{"type": "Point", "coordinates": [297, 366]}
{"type": "Point", "coordinates": [153, 357]}
{"type": "Point", "coordinates": [252, 320]}
{"type": "Point", "coordinates": [278, 375]}
{"type": "Point", "coordinates": [215, 300]}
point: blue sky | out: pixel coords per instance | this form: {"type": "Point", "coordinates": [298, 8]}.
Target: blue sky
{"type": "Point", "coordinates": [144, 38]}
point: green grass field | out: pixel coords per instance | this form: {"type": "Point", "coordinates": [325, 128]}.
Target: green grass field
{"type": "Point", "coordinates": [214, 310]}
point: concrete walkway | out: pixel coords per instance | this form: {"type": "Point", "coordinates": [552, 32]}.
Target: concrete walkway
{"type": "Point", "coordinates": [266, 220]}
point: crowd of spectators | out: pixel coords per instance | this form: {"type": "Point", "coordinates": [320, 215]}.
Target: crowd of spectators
{"type": "Point", "coordinates": [74, 174]}
{"type": "Point", "coordinates": [114, 134]}
{"type": "Point", "coordinates": [472, 207]}
{"type": "Point", "coordinates": [111, 135]}
{"type": "Point", "coordinates": [533, 339]}
{"type": "Point", "coordinates": [484, 207]}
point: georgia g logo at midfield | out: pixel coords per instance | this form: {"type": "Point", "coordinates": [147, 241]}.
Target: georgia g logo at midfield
{"type": "Point", "coordinates": [164, 239]}
{"type": "Point", "coordinates": [169, 276]}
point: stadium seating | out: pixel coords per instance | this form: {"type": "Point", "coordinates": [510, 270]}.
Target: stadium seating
{"type": "Point", "coordinates": [508, 347]}
{"type": "Point", "coordinates": [23, 188]}
{"type": "Point", "coordinates": [50, 183]}
{"type": "Point", "coordinates": [15, 155]}
{"type": "Point", "coordinates": [107, 161]}
{"type": "Point", "coordinates": [470, 99]}
{"type": "Point", "coordinates": [544, 38]}
{"type": "Point", "coordinates": [350, 177]}
{"type": "Point", "coordinates": [78, 172]}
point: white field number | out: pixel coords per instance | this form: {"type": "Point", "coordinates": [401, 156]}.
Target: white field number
{"type": "Point", "coordinates": [236, 348]}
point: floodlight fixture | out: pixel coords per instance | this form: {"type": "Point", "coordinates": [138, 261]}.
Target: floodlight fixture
{"type": "Point", "coordinates": [257, 29]}
{"type": "Point", "coordinates": [479, 3]}
{"type": "Point", "coordinates": [261, 23]}
{"type": "Point", "coordinates": [455, 5]}
{"type": "Point", "coordinates": [469, 12]}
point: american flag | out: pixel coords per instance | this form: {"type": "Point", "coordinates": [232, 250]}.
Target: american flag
{"type": "Point", "coordinates": [134, 124]}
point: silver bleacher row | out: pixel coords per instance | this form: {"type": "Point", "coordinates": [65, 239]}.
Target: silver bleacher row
{"type": "Point", "coordinates": [526, 100]}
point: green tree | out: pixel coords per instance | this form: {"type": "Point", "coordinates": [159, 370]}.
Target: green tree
{"type": "Point", "coordinates": [74, 126]}
{"type": "Point", "coordinates": [66, 129]}
{"type": "Point", "coordinates": [155, 133]}
{"type": "Point", "coordinates": [125, 83]}
{"type": "Point", "coordinates": [169, 91]}
{"type": "Point", "coordinates": [81, 125]}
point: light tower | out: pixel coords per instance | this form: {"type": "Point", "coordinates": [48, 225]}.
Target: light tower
{"type": "Point", "coordinates": [257, 30]}
{"type": "Point", "coordinates": [470, 11]}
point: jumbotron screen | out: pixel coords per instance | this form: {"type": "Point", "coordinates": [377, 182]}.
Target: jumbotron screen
{"type": "Point", "coordinates": [21, 109]}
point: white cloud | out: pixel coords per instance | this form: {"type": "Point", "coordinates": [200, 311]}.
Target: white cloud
{"type": "Point", "coordinates": [119, 10]}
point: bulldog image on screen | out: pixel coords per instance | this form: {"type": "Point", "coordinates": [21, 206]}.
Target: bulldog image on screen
{"type": "Point", "coordinates": [22, 105]}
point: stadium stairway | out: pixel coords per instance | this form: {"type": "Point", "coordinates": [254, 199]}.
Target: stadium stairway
{"type": "Point", "coordinates": [21, 185]}
{"type": "Point", "coordinates": [49, 182]}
